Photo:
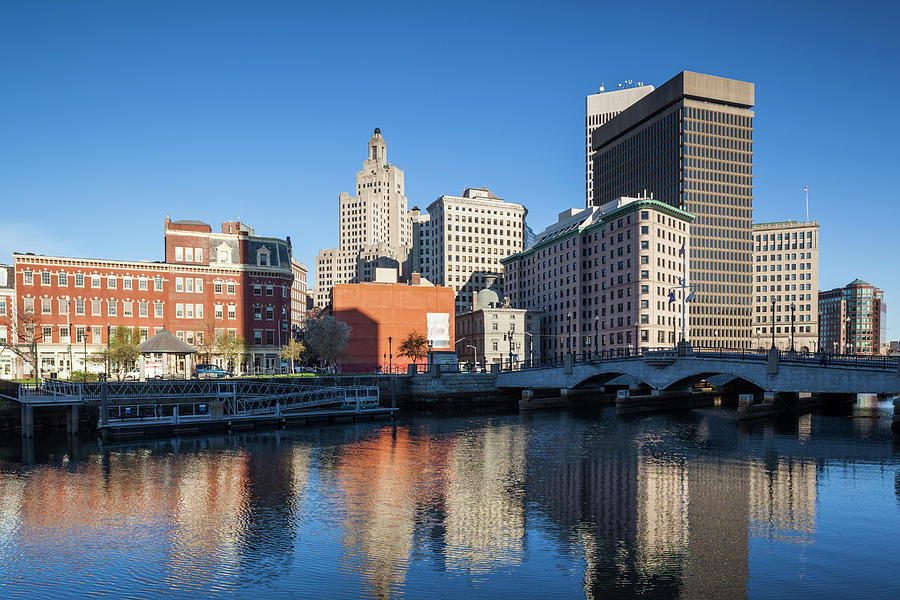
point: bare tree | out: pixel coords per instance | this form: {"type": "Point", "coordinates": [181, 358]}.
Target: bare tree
{"type": "Point", "coordinates": [25, 333]}
{"type": "Point", "coordinates": [326, 337]}
{"type": "Point", "coordinates": [414, 346]}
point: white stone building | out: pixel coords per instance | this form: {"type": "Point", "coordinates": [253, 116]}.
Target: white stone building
{"type": "Point", "coordinates": [602, 277]}
{"type": "Point", "coordinates": [374, 228]}
{"type": "Point", "coordinates": [467, 237]}
{"type": "Point", "coordinates": [493, 331]}
{"type": "Point", "coordinates": [786, 270]}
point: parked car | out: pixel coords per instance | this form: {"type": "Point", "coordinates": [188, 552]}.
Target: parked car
{"type": "Point", "coordinates": [152, 370]}
{"type": "Point", "coordinates": [208, 370]}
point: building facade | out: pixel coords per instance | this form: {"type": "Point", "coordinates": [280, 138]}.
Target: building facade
{"type": "Point", "coordinates": [689, 144]}
{"type": "Point", "coordinates": [786, 273]}
{"type": "Point", "coordinates": [495, 332]}
{"type": "Point", "coordinates": [599, 109]}
{"type": "Point", "coordinates": [375, 228]}
{"type": "Point", "coordinates": [605, 278]}
{"type": "Point", "coordinates": [9, 362]}
{"type": "Point", "coordinates": [300, 298]}
{"type": "Point", "coordinates": [468, 237]}
{"type": "Point", "coordinates": [209, 285]}
{"type": "Point", "coordinates": [853, 319]}
{"type": "Point", "coordinates": [381, 315]}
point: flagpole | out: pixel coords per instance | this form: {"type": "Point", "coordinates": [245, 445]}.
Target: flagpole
{"type": "Point", "coordinates": [806, 191]}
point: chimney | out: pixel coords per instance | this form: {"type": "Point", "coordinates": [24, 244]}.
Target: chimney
{"type": "Point", "coordinates": [415, 279]}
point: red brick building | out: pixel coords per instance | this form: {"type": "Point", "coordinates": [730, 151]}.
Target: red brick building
{"type": "Point", "coordinates": [209, 284]}
{"type": "Point", "coordinates": [381, 315]}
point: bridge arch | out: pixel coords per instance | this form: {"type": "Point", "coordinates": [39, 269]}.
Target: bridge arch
{"type": "Point", "coordinates": [604, 377]}
{"type": "Point", "coordinates": [693, 378]}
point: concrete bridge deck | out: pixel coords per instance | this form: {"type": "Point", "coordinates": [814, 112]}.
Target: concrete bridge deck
{"type": "Point", "coordinates": [673, 370]}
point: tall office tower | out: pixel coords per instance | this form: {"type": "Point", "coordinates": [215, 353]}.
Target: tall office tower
{"type": "Point", "coordinates": [374, 227]}
{"type": "Point", "coordinates": [469, 235]}
{"type": "Point", "coordinates": [598, 110]}
{"type": "Point", "coordinates": [786, 265]}
{"type": "Point", "coordinates": [853, 319]}
{"type": "Point", "coordinates": [689, 143]}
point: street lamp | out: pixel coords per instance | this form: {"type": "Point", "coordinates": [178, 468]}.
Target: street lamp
{"type": "Point", "coordinates": [793, 307]}
{"type": "Point", "coordinates": [475, 351]}
{"type": "Point", "coordinates": [390, 355]}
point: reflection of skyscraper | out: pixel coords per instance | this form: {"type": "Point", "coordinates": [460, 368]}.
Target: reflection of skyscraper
{"type": "Point", "coordinates": [783, 499]}
{"type": "Point", "coordinates": [485, 513]}
{"type": "Point", "coordinates": [662, 520]}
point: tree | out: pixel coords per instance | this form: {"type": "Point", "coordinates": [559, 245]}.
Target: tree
{"type": "Point", "coordinates": [209, 344]}
{"type": "Point", "coordinates": [414, 346]}
{"type": "Point", "coordinates": [121, 352]}
{"type": "Point", "coordinates": [292, 351]}
{"type": "Point", "coordinates": [25, 333]}
{"type": "Point", "coordinates": [231, 347]}
{"type": "Point", "coordinates": [326, 337]}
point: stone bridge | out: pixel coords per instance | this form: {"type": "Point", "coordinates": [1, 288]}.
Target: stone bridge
{"type": "Point", "coordinates": [671, 371]}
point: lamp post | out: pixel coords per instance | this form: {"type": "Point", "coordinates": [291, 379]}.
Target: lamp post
{"type": "Point", "coordinates": [793, 307]}
{"type": "Point", "coordinates": [84, 339]}
{"type": "Point", "coordinates": [475, 351]}
{"type": "Point", "coordinates": [772, 321]}
{"type": "Point", "coordinates": [390, 356]}
{"type": "Point", "coordinates": [511, 347]}
{"type": "Point", "coordinates": [107, 350]}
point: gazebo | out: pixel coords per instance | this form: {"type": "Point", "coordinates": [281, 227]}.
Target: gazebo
{"type": "Point", "coordinates": [166, 344]}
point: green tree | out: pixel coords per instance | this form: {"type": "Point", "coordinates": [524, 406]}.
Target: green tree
{"type": "Point", "coordinates": [232, 347]}
{"type": "Point", "coordinates": [292, 352]}
{"type": "Point", "coordinates": [326, 337]}
{"type": "Point", "coordinates": [414, 346]}
{"type": "Point", "coordinates": [121, 352]}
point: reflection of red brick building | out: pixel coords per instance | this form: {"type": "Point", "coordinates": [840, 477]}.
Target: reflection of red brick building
{"type": "Point", "coordinates": [210, 284]}
{"type": "Point", "coordinates": [378, 311]}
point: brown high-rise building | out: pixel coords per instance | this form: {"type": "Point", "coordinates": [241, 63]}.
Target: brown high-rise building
{"type": "Point", "coordinates": [689, 143]}
{"type": "Point", "coordinates": [852, 319]}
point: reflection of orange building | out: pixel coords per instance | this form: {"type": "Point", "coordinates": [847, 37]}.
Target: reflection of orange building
{"type": "Point", "coordinates": [378, 311]}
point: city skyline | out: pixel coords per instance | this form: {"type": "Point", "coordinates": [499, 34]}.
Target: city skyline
{"type": "Point", "coordinates": [218, 135]}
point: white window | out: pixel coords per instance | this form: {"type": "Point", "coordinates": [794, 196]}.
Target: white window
{"type": "Point", "coordinates": [27, 277]}
{"type": "Point", "coordinates": [79, 280]}
{"type": "Point", "coordinates": [189, 335]}
{"type": "Point", "coordinates": [142, 284]}
{"type": "Point", "coordinates": [95, 308]}
{"type": "Point", "coordinates": [189, 311]}
{"type": "Point", "coordinates": [189, 255]}
{"type": "Point", "coordinates": [45, 277]}
{"type": "Point", "coordinates": [28, 305]}
{"type": "Point", "coordinates": [198, 285]}
{"type": "Point", "coordinates": [158, 310]}
{"type": "Point", "coordinates": [232, 311]}
{"type": "Point", "coordinates": [2, 307]}
{"type": "Point", "coordinates": [126, 283]}
{"type": "Point", "coordinates": [219, 313]}
{"type": "Point", "coordinates": [179, 253]}
{"type": "Point", "coordinates": [143, 308]}
{"type": "Point", "coordinates": [157, 284]}
{"type": "Point", "coordinates": [111, 308]}
{"type": "Point", "coordinates": [270, 313]}
{"type": "Point", "coordinates": [63, 306]}
{"type": "Point", "coordinates": [217, 287]}
{"type": "Point", "coordinates": [111, 282]}
{"type": "Point", "coordinates": [189, 285]}
{"type": "Point", "coordinates": [63, 280]}
{"type": "Point", "coordinates": [231, 287]}
{"type": "Point", "coordinates": [179, 284]}
{"type": "Point", "coordinates": [46, 306]}
{"type": "Point", "coordinates": [198, 310]}
{"type": "Point", "coordinates": [257, 336]}
{"type": "Point", "coordinates": [179, 311]}
{"type": "Point", "coordinates": [127, 308]}
{"type": "Point", "coordinates": [63, 333]}
{"type": "Point", "coordinates": [257, 312]}
{"type": "Point", "coordinates": [198, 254]}
{"type": "Point", "coordinates": [95, 281]}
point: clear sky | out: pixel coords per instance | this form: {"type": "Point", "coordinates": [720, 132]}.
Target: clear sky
{"type": "Point", "coordinates": [113, 114]}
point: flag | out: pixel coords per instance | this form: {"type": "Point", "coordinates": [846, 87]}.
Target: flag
{"type": "Point", "coordinates": [690, 296]}
{"type": "Point", "coordinates": [681, 252]}
{"type": "Point", "coordinates": [672, 296]}
{"type": "Point", "coordinates": [804, 188]}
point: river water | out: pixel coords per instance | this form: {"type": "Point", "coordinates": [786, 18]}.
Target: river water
{"type": "Point", "coordinates": [543, 505]}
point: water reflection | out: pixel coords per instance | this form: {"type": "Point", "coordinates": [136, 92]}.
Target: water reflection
{"type": "Point", "coordinates": [553, 504]}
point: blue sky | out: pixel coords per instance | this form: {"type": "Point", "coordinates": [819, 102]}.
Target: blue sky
{"type": "Point", "coordinates": [113, 114]}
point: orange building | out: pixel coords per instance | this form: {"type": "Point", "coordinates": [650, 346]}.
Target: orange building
{"type": "Point", "coordinates": [381, 315]}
